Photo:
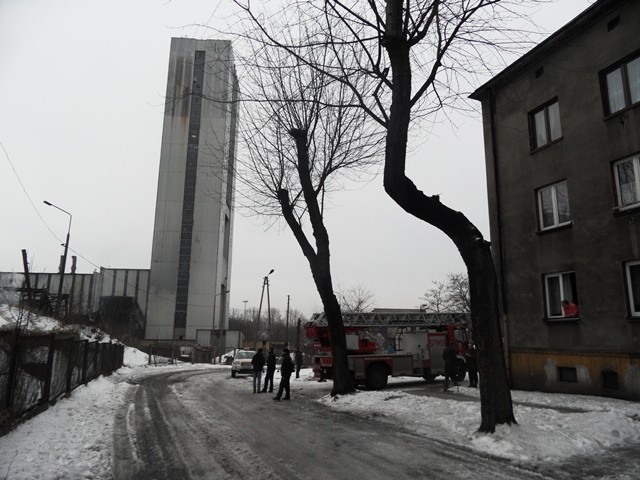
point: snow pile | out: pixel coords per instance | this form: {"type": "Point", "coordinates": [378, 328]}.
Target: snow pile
{"type": "Point", "coordinates": [558, 427]}
{"type": "Point", "coordinates": [35, 323]}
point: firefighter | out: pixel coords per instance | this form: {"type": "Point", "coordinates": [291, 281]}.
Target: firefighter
{"type": "Point", "coordinates": [450, 359]}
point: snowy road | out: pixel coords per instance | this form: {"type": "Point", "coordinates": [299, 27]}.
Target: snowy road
{"type": "Point", "coordinates": [203, 424]}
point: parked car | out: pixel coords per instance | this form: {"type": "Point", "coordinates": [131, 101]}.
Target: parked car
{"type": "Point", "coordinates": [242, 362]}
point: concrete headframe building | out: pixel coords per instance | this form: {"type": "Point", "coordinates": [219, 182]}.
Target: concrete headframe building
{"type": "Point", "coordinates": [191, 254]}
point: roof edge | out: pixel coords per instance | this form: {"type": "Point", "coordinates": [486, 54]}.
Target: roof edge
{"type": "Point", "coordinates": [573, 28]}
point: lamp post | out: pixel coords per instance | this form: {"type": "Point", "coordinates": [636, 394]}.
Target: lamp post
{"type": "Point", "coordinates": [63, 265]}
{"type": "Point", "coordinates": [220, 321]}
{"type": "Point", "coordinates": [265, 283]}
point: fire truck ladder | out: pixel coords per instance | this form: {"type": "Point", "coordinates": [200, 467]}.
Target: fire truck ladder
{"type": "Point", "coordinates": [394, 319]}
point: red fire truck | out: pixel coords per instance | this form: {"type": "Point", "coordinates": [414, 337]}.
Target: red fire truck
{"type": "Point", "coordinates": [391, 342]}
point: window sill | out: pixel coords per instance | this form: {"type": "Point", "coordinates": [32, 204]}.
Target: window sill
{"type": "Point", "coordinates": [546, 145]}
{"type": "Point", "coordinates": [619, 211]}
{"type": "Point", "coordinates": [554, 320]}
{"type": "Point", "coordinates": [564, 226]}
{"type": "Point", "coordinates": [617, 113]}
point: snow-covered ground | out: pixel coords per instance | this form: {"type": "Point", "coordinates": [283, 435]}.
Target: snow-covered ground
{"type": "Point", "coordinates": [73, 439]}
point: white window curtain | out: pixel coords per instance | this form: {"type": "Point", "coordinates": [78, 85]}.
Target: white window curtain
{"type": "Point", "coordinates": [626, 173]}
{"type": "Point", "coordinates": [554, 121]}
{"type": "Point", "coordinates": [633, 72]}
{"type": "Point", "coordinates": [615, 90]}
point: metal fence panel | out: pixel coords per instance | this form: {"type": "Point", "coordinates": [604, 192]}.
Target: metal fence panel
{"type": "Point", "coordinates": [36, 369]}
{"type": "Point", "coordinates": [31, 372]}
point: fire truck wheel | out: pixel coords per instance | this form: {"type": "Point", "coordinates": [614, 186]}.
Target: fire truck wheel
{"type": "Point", "coordinates": [461, 370]}
{"type": "Point", "coordinates": [377, 376]}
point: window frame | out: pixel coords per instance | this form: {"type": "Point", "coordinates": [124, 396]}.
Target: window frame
{"type": "Point", "coordinates": [556, 211]}
{"type": "Point", "coordinates": [629, 289]}
{"type": "Point", "coordinates": [619, 206]}
{"type": "Point", "coordinates": [622, 65]}
{"type": "Point", "coordinates": [533, 131]}
{"type": "Point", "coordinates": [571, 296]}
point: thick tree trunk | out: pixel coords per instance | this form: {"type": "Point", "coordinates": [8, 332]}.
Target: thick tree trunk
{"type": "Point", "coordinates": [495, 396]}
{"type": "Point", "coordinates": [319, 262]}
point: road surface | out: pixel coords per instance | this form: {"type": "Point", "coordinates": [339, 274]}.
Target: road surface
{"type": "Point", "coordinates": [205, 425]}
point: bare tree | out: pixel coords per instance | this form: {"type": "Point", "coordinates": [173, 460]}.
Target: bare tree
{"type": "Point", "coordinates": [356, 299]}
{"type": "Point", "coordinates": [304, 138]}
{"type": "Point", "coordinates": [435, 299]}
{"type": "Point", "coordinates": [452, 295]}
{"type": "Point", "coordinates": [419, 55]}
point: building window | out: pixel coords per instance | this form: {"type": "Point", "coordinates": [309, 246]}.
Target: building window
{"type": "Point", "coordinates": [558, 287]}
{"type": "Point", "coordinates": [610, 380]}
{"type": "Point", "coordinates": [627, 182]}
{"type": "Point", "coordinates": [553, 206]}
{"type": "Point", "coordinates": [622, 85]}
{"type": "Point", "coordinates": [567, 374]}
{"type": "Point", "coordinates": [632, 271]}
{"type": "Point", "coordinates": [544, 125]}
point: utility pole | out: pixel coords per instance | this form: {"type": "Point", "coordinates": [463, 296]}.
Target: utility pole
{"type": "Point", "coordinates": [63, 264]}
{"type": "Point", "coordinates": [265, 283]}
{"type": "Point", "coordinates": [286, 339]}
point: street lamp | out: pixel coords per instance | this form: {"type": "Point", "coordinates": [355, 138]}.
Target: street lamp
{"type": "Point", "coordinates": [63, 265]}
{"type": "Point", "coordinates": [265, 283]}
{"type": "Point", "coordinates": [220, 321]}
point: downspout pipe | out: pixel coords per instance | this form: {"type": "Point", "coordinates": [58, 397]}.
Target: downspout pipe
{"type": "Point", "coordinates": [500, 240]}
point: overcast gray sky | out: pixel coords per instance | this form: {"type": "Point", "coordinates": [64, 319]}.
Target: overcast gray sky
{"type": "Point", "coordinates": [81, 108]}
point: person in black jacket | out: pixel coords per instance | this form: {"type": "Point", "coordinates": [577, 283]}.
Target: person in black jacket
{"type": "Point", "coordinates": [271, 368]}
{"type": "Point", "coordinates": [298, 354]}
{"type": "Point", "coordinates": [258, 363]}
{"type": "Point", "coordinates": [472, 365]}
{"type": "Point", "coordinates": [286, 369]}
{"type": "Point", "coordinates": [450, 359]}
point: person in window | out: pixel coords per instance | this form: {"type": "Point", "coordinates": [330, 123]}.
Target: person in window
{"type": "Point", "coordinates": [570, 309]}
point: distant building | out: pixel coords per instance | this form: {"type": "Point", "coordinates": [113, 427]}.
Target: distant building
{"type": "Point", "coordinates": [191, 254]}
{"type": "Point", "coordinates": [562, 146]}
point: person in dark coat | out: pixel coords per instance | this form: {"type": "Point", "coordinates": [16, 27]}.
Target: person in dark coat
{"type": "Point", "coordinates": [258, 364]}
{"type": "Point", "coordinates": [298, 362]}
{"type": "Point", "coordinates": [271, 368]}
{"type": "Point", "coordinates": [286, 369]}
{"type": "Point", "coordinates": [472, 365]}
{"type": "Point", "coordinates": [450, 359]}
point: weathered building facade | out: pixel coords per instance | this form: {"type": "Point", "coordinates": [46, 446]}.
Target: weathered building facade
{"type": "Point", "coordinates": [191, 253]}
{"type": "Point", "coordinates": [562, 147]}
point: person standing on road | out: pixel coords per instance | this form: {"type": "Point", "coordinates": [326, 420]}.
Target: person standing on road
{"type": "Point", "coordinates": [450, 359]}
{"type": "Point", "coordinates": [286, 369]}
{"type": "Point", "coordinates": [298, 361]}
{"type": "Point", "coordinates": [472, 365]}
{"type": "Point", "coordinates": [271, 368]}
{"type": "Point", "coordinates": [258, 363]}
